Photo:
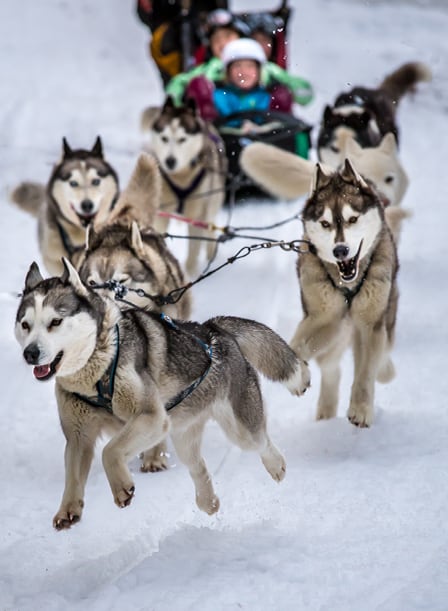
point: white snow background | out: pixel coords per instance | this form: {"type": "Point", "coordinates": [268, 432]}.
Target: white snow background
{"type": "Point", "coordinates": [360, 521]}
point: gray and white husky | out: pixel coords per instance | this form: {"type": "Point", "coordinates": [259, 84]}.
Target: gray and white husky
{"type": "Point", "coordinates": [82, 190]}
{"type": "Point", "coordinates": [127, 250]}
{"type": "Point", "coordinates": [348, 289]}
{"type": "Point", "coordinates": [139, 376]}
{"type": "Point", "coordinates": [193, 165]}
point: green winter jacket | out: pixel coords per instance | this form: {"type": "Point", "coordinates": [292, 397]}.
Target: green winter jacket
{"type": "Point", "coordinates": [213, 70]}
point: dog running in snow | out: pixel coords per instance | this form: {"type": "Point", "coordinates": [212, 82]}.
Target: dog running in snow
{"type": "Point", "coordinates": [288, 176]}
{"type": "Point", "coordinates": [82, 189]}
{"type": "Point", "coordinates": [367, 114]}
{"type": "Point", "coordinates": [348, 290]}
{"type": "Point", "coordinates": [139, 376]}
{"type": "Point", "coordinates": [193, 165]}
{"type": "Point", "coordinates": [128, 253]}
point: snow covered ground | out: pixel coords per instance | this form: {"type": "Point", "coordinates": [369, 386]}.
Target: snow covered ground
{"type": "Point", "coordinates": [360, 521]}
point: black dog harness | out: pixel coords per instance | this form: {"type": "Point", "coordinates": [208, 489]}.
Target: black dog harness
{"type": "Point", "coordinates": [180, 193]}
{"type": "Point", "coordinates": [105, 386]}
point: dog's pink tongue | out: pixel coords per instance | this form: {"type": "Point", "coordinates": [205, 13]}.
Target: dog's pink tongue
{"type": "Point", "coordinates": [40, 371]}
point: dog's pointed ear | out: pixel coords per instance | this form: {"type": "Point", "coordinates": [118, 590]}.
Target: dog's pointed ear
{"type": "Point", "coordinates": [67, 152]}
{"type": "Point", "coordinates": [349, 174]}
{"type": "Point", "coordinates": [97, 149]}
{"type": "Point", "coordinates": [90, 236]}
{"type": "Point", "coordinates": [33, 277]}
{"type": "Point", "coordinates": [328, 115]}
{"type": "Point", "coordinates": [136, 238]}
{"type": "Point", "coordinates": [388, 144]}
{"type": "Point", "coordinates": [191, 106]}
{"type": "Point", "coordinates": [320, 178]}
{"type": "Point", "coordinates": [169, 103]}
{"type": "Point", "coordinates": [71, 276]}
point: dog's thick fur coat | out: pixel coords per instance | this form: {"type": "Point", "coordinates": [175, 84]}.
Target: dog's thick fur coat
{"type": "Point", "coordinates": [193, 164]}
{"type": "Point", "coordinates": [68, 331]}
{"type": "Point", "coordinates": [367, 114]}
{"type": "Point", "coordinates": [82, 190]}
{"type": "Point", "coordinates": [348, 290]}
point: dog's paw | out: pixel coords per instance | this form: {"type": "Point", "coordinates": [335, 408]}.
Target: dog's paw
{"type": "Point", "coordinates": [299, 383]}
{"type": "Point", "coordinates": [386, 372]}
{"type": "Point", "coordinates": [67, 516]}
{"type": "Point", "coordinates": [209, 504]}
{"type": "Point", "coordinates": [155, 459]}
{"type": "Point", "coordinates": [123, 497]}
{"type": "Point", "coordinates": [275, 463]}
{"type": "Point", "coordinates": [360, 416]}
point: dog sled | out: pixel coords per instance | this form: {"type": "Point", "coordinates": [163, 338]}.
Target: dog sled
{"type": "Point", "coordinates": [179, 33]}
{"type": "Point", "coordinates": [280, 129]}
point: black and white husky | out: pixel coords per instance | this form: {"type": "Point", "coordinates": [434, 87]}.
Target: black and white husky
{"type": "Point", "coordinates": [139, 376]}
{"type": "Point", "coordinates": [82, 190]}
{"type": "Point", "coordinates": [367, 114]}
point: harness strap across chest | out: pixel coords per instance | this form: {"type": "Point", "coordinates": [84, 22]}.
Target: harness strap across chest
{"type": "Point", "coordinates": [182, 193]}
{"type": "Point", "coordinates": [105, 386]}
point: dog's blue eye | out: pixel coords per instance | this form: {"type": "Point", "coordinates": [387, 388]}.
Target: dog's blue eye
{"type": "Point", "coordinates": [55, 322]}
{"type": "Point", "coordinates": [73, 183]}
{"type": "Point", "coordinates": [96, 182]}
{"type": "Point", "coordinates": [353, 219]}
{"type": "Point", "coordinates": [325, 224]}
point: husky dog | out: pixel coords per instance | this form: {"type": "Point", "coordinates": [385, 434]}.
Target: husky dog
{"type": "Point", "coordinates": [348, 289]}
{"type": "Point", "coordinates": [288, 176]}
{"type": "Point", "coordinates": [121, 252]}
{"type": "Point", "coordinates": [367, 114]}
{"type": "Point", "coordinates": [139, 376]}
{"type": "Point", "coordinates": [134, 259]}
{"type": "Point", "coordinates": [82, 190]}
{"type": "Point", "coordinates": [193, 164]}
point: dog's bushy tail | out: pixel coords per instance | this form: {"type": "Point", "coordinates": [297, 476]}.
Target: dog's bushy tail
{"type": "Point", "coordinates": [404, 79]}
{"type": "Point", "coordinates": [29, 196]}
{"type": "Point", "coordinates": [267, 352]}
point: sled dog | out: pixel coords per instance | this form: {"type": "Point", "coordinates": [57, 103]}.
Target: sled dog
{"type": "Point", "coordinates": [82, 190]}
{"type": "Point", "coordinates": [288, 176]}
{"type": "Point", "coordinates": [348, 289]}
{"type": "Point", "coordinates": [124, 260]}
{"type": "Point", "coordinates": [193, 165]}
{"type": "Point", "coordinates": [120, 252]}
{"type": "Point", "coordinates": [367, 114]}
{"type": "Point", "coordinates": [139, 376]}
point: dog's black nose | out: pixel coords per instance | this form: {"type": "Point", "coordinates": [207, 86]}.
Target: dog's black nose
{"type": "Point", "coordinates": [87, 206]}
{"type": "Point", "coordinates": [170, 162]}
{"type": "Point", "coordinates": [341, 251]}
{"type": "Point", "coordinates": [31, 354]}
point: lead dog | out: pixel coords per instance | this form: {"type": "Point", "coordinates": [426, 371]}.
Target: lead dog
{"type": "Point", "coordinates": [193, 165]}
{"type": "Point", "coordinates": [139, 376]}
{"type": "Point", "coordinates": [288, 176]}
{"type": "Point", "coordinates": [82, 190]}
{"type": "Point", "coordinates": [348, 290]}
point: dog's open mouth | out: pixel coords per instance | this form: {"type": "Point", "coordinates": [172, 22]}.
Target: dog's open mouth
{"type": "Point", "coordinates": [45, 372]}
{"type": "Point", "coordinates": [348, 269]}
{"type": "Point", "coordinates": [85, 217]}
